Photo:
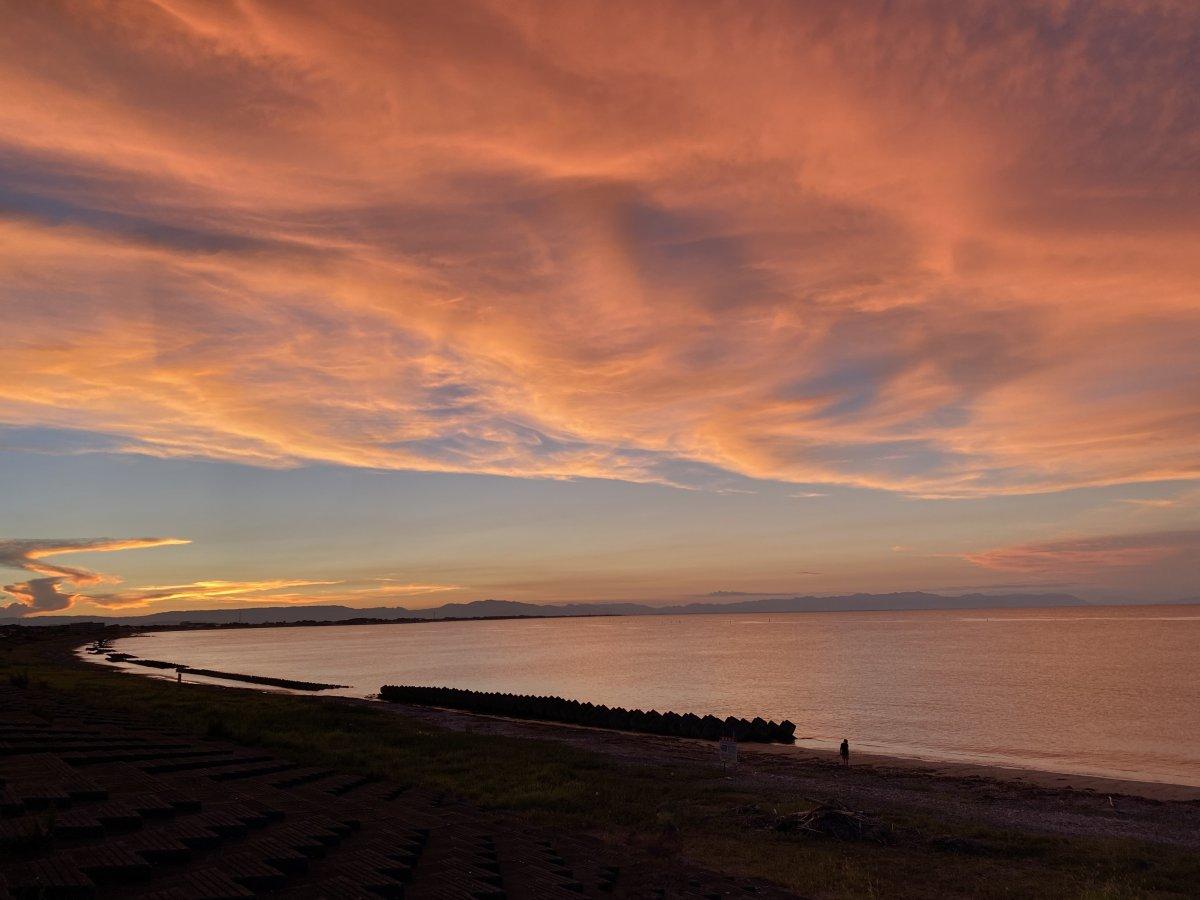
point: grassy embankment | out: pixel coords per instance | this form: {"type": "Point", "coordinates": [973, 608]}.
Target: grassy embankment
{"type": "Point", "coordinates": [697, 814]}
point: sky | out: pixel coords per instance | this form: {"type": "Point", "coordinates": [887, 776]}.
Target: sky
{"type": "Point", "coordinates": [327, 301]}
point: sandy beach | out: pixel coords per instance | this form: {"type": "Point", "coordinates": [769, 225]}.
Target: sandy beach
{"type": "Point", "coordinates": [1031, 800]}
{"type": "Point", "coordinates": [915, 828]}
{"type": "Point", "coordinates": [627, 745]}
{"type": "Point", "coordinates": [801, 754]}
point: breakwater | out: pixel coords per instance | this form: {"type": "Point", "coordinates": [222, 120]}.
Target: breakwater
{"type": "Point", "coordinates": [573, 712]}
{"type": "Point", "coordinates": [288, 683]}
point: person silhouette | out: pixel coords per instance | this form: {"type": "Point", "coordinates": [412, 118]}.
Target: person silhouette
{"type": "Point", "coordinates": [844, 752]}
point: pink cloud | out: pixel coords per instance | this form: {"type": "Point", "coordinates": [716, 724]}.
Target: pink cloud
{"type": "Point", "coordinates": [930, 249]}
{"type": "Point", "coordinates": [1093, 556]}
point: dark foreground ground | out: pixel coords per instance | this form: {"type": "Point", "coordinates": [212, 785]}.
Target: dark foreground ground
{"type": "Point", "coordinates": [115, 785]}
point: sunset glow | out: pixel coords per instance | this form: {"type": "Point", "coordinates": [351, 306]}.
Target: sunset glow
{"type": "Point", "coordinates": [407, 303]}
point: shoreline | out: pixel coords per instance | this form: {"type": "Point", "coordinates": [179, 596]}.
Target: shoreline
{"type": "Point", "coordinates": [870, 761]}
{"type": "Point", "coordinates": [801, 751]}
{"type": "Point", "coordinates": [1148, 788]}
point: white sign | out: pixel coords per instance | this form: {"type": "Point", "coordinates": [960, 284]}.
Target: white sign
{"type": "Point", "coordinates": [727, 747]}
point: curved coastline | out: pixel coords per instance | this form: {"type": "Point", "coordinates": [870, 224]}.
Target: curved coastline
{"type": "Point", "coordinates": [876, 755]}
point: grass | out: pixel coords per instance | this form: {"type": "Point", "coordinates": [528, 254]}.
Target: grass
{"type": "Point", "coordinates": [688, 812]}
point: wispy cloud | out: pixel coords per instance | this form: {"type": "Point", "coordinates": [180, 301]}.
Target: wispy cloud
{"type": "Point", "coordinates": [1091, 556]}
{"type": "Point", "coordinates": [63, 587]}
{"type": "Point", "coordinates": [941, 249]}
{"type": "Point", "coordinates": [201, 592]}
{"type": "Point", "coordinates": [1185, 499]}
{"type": "Point", "coordinates": [1008, 586]}
{"type": "Point", "coordinates": [395, 588]}
{"type": "Point", "coordinates": [46, 594]}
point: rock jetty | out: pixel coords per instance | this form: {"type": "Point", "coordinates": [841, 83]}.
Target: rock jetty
{"type": "Point", "coordinates": [225, 676]}
{"type": "Point", "coordinates": [262, 679]}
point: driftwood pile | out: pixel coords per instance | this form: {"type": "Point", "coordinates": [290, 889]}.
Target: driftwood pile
{"type": "Point", "coordinates": [557, 709]}
{"type": "Point", "coordinates": [832, 821]}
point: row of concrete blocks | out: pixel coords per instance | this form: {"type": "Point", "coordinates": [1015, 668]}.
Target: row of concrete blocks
{"type": "Point", "coordinates": [557, 709]}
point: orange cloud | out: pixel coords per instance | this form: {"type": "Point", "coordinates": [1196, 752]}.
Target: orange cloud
{"type": "Point", "coordinates": [54, 593]}
{"type": "Point", "coordinates": [393, 586]}
{"type": "Point", "coordinates": [45, 594]}
{"type": "Point", "coordinates": [199, 591]}
{"type": "Point", "coordinates": [1095, 555]}
{"type": "Point", "coordinates": [943, 249]}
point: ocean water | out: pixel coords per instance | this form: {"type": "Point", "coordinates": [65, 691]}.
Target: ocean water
{"type": "Point", "coordinates": [1110, 690]}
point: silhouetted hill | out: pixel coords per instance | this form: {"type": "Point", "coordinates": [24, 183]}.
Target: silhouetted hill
{"type": "Point", "coordinates": [911, 600]}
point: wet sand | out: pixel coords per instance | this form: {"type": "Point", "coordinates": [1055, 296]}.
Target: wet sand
{"type": "Point", "coordinates": [1100, 784]}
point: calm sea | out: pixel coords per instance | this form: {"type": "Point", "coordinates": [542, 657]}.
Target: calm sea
{"type": "Point", "coordinates": [1112, 690]}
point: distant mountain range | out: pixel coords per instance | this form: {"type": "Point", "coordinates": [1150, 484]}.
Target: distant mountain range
{"type": "Point", "coordinates": [911, 600]}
